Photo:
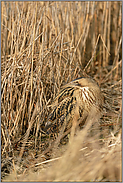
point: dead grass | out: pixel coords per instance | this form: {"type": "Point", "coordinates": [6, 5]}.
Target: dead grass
{"type": "Point", "coordinates": [43, 46]}
{"type": "Point", "coordinates": [85, 159]}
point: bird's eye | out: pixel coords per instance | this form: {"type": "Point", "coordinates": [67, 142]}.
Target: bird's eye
{"type": "Point", "coordinates": [77, 83]}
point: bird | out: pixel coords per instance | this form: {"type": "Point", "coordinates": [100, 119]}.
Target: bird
{"type": "Point", "coordinates": [79, 96]}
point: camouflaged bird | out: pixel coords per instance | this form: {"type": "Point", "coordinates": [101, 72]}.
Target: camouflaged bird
{"type": "Point", "coordinates": [78, 96]}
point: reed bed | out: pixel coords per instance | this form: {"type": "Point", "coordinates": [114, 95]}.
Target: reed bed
{"type": "Point", "coordinates": [45, 45]}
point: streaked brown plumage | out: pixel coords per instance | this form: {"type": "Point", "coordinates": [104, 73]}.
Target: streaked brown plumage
{"type": "Point", "coordinates": [78, 96]}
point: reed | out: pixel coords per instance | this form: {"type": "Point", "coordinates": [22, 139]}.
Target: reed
{"type": "Point", "coordinates": [45, 45]}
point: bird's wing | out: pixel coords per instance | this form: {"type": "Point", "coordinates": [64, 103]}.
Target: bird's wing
{"type": "Point", "coordinates": [63, 110]}
{"type": "Point", "coordinates": [66, 91]}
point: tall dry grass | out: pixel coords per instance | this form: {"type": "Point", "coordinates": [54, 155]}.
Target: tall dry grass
{"type": "Point", "coordinates": [43, 46]}
{"type": "Point", "coordinates": [84, 159]}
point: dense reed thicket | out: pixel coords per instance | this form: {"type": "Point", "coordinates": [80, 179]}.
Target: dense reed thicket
{"type": "Point", "coordinates": [45, 45]}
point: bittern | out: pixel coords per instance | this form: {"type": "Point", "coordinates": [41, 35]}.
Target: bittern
{"type": "Point", "coordinates": [75, 98]}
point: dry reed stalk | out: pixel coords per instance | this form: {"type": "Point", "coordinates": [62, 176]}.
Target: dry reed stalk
{"type": "Point", "coordinates": [43, 46]}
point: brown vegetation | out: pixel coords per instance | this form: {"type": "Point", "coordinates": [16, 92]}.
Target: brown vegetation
{"type": "Point", "coordinates": [45, 45]}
